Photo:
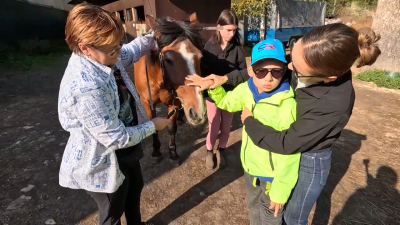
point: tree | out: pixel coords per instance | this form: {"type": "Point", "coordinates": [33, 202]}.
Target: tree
{"type": "Point", "coordinates": [249, 7]}
{"type": "Point", "coordinates": [387, 23]}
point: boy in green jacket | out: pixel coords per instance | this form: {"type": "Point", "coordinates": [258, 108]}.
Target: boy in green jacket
{"type": "Point", "coordinates": [269, 177]}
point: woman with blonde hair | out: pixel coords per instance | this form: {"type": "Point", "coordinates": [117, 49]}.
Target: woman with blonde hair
{"type": "Point", "coordinates": [100, 108]}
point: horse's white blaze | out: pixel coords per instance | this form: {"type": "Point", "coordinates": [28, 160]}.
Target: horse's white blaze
{"type": "Point", "coordinates": [188, 56]}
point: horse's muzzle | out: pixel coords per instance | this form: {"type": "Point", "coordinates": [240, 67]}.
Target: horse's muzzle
{"type": "Point", "coordinates": [195, 117]}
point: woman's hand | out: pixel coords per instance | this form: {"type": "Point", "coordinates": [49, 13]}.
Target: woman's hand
{"type": "Point", "coordinates": [277, 207]}
{"type": "Point", "coordinates": [245, 113]}
{"type": "Point", "coordinates": [202, 83]}
{"type": "Point", "coordinates": [217, 80]}
{"type": "Point", "coordinates": [160, 123]}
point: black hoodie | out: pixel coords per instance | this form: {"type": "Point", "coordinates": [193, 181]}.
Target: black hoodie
{"type": "Point", "coordinates": [221, 62]}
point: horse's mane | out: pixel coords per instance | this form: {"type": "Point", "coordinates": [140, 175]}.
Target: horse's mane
{"type": "Point", "coordinates": [169, 31]}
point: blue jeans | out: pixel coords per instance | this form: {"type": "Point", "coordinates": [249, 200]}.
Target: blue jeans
{"type": "Point", "coordinates": [313, 173]}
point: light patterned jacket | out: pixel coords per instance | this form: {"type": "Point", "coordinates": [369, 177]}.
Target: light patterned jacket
{"type": "Point", "coordinates": [88, 108]}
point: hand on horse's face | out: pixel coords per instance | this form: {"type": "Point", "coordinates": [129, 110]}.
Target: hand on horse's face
{"type": "Point", "coordinates": [217, 80]}
{"type": "Point", "coordinates": [201, 82]}
{"type": "Point", "coordinates": [160, 122]}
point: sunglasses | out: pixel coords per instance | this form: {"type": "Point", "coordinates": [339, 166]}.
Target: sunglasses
{"type": "Point", "coordinates": [111, 53]}
{"type": "Point", "coordinates": [298, 75]}
{"type": "Point", "coordinates": [275, 73]}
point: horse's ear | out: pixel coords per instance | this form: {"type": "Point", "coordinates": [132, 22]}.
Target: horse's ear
{"type": "Point", "coordinates": [151, 22]}
{"type": "Point", "coordinates": [193, 19]}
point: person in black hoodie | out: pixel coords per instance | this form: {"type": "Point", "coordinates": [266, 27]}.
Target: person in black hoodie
{"type": "Point", "coordinates": [321, 62]}
{"type": "Point", "coordinates": [222, 54]}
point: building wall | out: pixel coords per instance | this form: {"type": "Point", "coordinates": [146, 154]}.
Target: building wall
{"type": "Point", "coordinates": [57, 4]}
{"type": "Point", "coordinates": [177, 9]}
{"type": "Point", "coordinates": [207, 11]}
{"type": "Point", "coordinates": [22, 20]}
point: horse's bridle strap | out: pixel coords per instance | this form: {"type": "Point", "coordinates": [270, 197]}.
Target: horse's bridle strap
{"type": "Point", "coordinates": [169, 86]}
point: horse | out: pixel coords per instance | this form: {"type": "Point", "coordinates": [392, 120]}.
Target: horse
{"type": "Point", "coordinates": [160, 75]}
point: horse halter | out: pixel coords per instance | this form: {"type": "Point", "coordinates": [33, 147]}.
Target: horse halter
{"type": "Point", "coordinates": [166, 83]}
{"type": "Point", "coordinates": [169, 86]}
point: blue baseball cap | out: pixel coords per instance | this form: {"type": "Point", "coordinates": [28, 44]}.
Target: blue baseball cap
{"type": "Point", "coordinates": [268, 49]}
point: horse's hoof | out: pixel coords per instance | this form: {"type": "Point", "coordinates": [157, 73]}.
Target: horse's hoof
{"type": "Point", "coordinates": [175, 163]}
{"type": "Point", "coordinates": [156, 159]}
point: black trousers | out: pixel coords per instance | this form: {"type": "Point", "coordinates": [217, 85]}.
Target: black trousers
{"type": "Point", "coordinates": [125, 199]}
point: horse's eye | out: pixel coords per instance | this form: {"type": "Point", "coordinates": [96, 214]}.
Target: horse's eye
{"type": "Point", "coordinates": [168, 56]}
{"type": "Point", "coordinates": [168, 61]}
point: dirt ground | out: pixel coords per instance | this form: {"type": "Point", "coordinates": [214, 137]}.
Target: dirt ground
{"type": "Point", "coordinates": [32, 144]}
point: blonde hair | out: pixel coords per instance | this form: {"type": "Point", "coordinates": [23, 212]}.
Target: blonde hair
{"type": "Point", "coordinates": [91, 25]}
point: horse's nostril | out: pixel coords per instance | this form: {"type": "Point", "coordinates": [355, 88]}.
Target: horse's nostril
{"type": "Point", "coordinates": [192, 114]}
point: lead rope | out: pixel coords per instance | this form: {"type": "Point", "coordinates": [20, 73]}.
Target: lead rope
{"type": "Point", "coordinates": [153, 111]}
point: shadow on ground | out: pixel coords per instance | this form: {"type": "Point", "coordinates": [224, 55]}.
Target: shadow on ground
{"type": "Point", "coordinates": [347, 145]}
{"type": "Point", "coordinates": [194, 196]}
{"type": "Point", "coordinates": [32, 144]}
{"type": "Point", "coordinates": [377, 203]}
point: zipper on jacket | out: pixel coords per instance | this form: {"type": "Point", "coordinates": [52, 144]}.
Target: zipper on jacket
{"type": "Point", "coordinates": [270, 153]}
{"type": "Point", "coordinates": [270, 160]}
{"type": "Point", "coordinates": [247, 140]}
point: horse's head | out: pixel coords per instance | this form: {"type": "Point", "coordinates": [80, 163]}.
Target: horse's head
{"type": "Point", "coordinates": [179, 47]}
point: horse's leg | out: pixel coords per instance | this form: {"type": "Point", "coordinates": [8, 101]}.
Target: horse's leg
{"type": "Point", "coordinates": [172, 128]}
{"type": "Point", "coordinates": [156, 156]}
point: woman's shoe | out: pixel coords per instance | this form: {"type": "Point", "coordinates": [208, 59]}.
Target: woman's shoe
{"type": "Point", "coordinates": [221, 161]}
{"type": "Point", "coordinates": [209, 159]}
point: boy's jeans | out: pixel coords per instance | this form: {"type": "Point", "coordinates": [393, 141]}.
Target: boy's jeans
{"type": "Point", "coordinates": [258, 203]}
{"type": "Point", "coordinates": [313, 173]}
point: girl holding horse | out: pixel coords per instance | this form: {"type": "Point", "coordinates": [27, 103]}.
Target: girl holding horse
{"type": "Point", "coordinates": [222, 54]}
{"type": "Point", "coordinates": [100, 108]}
{"type": "Point", "coordinates": [321, 62]}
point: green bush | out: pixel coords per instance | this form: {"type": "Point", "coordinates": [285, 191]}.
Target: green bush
{"type": "Point", "coordinates": [23, 54]}
{"type": "Point", "coordinates": [381, 78]}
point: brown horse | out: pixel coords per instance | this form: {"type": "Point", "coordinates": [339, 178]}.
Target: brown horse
{"type": "Point", "coordinates": [177, 53]}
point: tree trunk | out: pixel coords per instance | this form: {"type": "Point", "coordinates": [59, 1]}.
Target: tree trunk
{"type": "Point", "coordinates": [387, 24]}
